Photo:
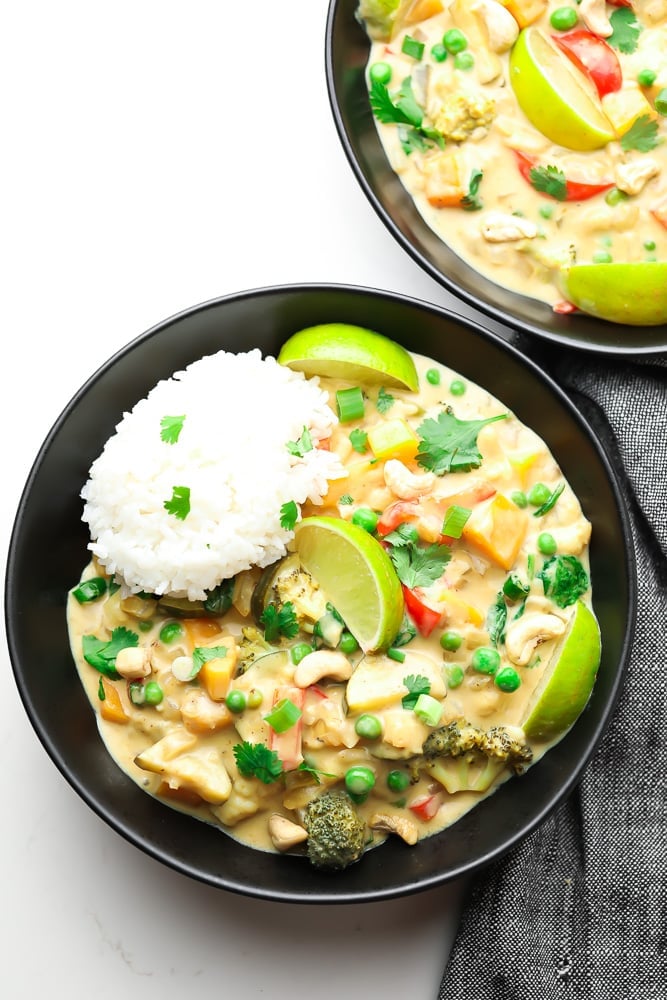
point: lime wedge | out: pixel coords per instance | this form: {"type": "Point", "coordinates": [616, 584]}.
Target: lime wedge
{"type": "Point", "coordinates": [356, 575]}
{"type": "Point", "coordinates": [555, 96]}
{"type": "Point", "coordinates": [350, 352]}
{"type": "Point", "coordinates": [634, 293]}
{"type": "Point", "coordinates": [568, 679]}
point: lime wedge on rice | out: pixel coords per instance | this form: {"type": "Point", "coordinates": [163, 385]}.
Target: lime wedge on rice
{"type": "Point", "coordinates": [568, 679]}
{"type": "Point", "coordinates": [352, 353]}
{"type": "Point", "coordinates": [356, 575]}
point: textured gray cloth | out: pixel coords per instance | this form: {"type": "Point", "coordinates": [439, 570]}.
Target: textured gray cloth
{"type": "Point", "coordinates": [579, 910]}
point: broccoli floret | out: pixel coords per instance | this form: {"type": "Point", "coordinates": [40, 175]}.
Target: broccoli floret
{"type": "Point", "coordinates": [298, 587]}
{"type": "Point", "coordinates": [336, 832]}
{"type": "Point", "coordinates": [251, 646]}
{"type": "Point", "coordinates": [460, 114]}
{"type": "Point", "coordinates": [497, 743]}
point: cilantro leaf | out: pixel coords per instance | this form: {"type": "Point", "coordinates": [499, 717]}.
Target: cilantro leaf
{"type": "Point", "coordinates": [301, 445]}
{"type": "Point", "coordinates": [257, 761]}
{"type": "Point", "coordinates": [496, 620]}
{"type": "Point", "coordinates": [405, 534]}
{"type": "Point", "coordinates": [470, 201]}
{"type": "Point", "coordinates": [550, 502]}
{"type": "Point", "coordinates": [171, 427]}
{"type": "Point", "coordinates": [564, 579]}
{"type": "Point", "coordinates": [419, 567]}
{"type": "Point", "coordinates": [549, 180]}
{"type": "Point", "coordinates": [416, 684]}
{"type": "Point", "coordinates": [202, 655]}
{"type": "Point", "coordinates": [279, 621]}
{"type": "Point", "coordinates": [314, 772]}
{"type": "Point", "coordinates": [179, 505]}
{"type": "Point", "coordinates": [447, 444]}
{"type": "Point", "coordinates": [359, 440]}
{"type": "Point", "coordinates": [101, 654]}
{"type": "Point", "coordinates": [289, 512]}
{"type": "Point", "coordinates": [642, 135]}
{"type": "Point", "coordinates": [385, 400]}
{"type": "Point", "coordinates": [626, 30]}
{"type": "Point", "coordinates": [404, 111]}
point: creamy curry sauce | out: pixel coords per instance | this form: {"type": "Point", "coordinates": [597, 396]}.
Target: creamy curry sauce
{"type": "Point", "coordinates": [189, 736]}
{"type": "Point", "coordinates": [517, 236]}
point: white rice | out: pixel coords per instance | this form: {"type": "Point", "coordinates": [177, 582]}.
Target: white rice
{"type": "Point", "coordinates": [240, 411]}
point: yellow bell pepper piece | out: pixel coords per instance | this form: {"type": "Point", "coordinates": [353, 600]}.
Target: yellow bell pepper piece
{"type": "Point", "coordinates": [393, 439]}
{"type": "Point", "coordinates": [216, 674]}
{"type": "Point", "coordinates": [624, 107]}
{"type": "Point", "coordinates": [525, 12]}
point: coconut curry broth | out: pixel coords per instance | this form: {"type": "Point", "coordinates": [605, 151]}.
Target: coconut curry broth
{"type": "Point", "coordinates": [615, 205]}
{"type": "Point", "coordinates": [181, 749]}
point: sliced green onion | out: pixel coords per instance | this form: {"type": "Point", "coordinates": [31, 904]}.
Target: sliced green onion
{"type": "Point", "coordinates": [514, 588]}
{"type": "Point", "coordinates": [101, 693]}
{"type": "Point", "coordinates": [283, 715]}
{"type": "Point", "coordinates": [396, 654]}
{"type": "Point", "coordinates": [412, 47]}
{"type": "Point", "coordinates": [661, 102]}
{"type": "Point", "coordinates": [90, 590]}
{"type": "Point", "coordinates": [137, 693]}
{"type": "Point", "coordinates": [455, 521]}
{"type": "Point", "coordinates": [428, 709]}
{"type": "Point", "coordinates": [350, 404]}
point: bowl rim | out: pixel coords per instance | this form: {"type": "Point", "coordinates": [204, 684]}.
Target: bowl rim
{"type": "Point", "coordinates": [183, 865]}
{"type": "Point", "coordinates": [495, 312]}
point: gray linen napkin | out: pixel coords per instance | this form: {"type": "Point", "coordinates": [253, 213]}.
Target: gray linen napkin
{"type": "Point", "coordinates": [579, 910]}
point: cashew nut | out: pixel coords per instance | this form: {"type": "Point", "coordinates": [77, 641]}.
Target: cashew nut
{"type": "Point", "coordinates": [594, 15]}
{"type": "Point", "coordinates": [525, 635]}
{"type": "Point", "coordinates": [133, 662]}
{"type": "Point", "coordinates": [501, 28]}
{"type": "Point", "coordinates": [405, 828]}
{"type": "Point", "coordinates": [322, 663]}
{"type": "Point", "coordinates": [403, 483]}
{"type": "Point", "coordinates": [284, 833]}
{"type": "Point", "coordinates": [500, 227]}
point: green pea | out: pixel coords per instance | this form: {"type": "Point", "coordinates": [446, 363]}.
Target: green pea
{"type": "Point", "coordinates": [366, 518]}
{"type": "Point", "coordinates": [433, 376]}
{"type": "Point", "coordinates": [546, 211]}
{"type": "Point", "coordinates": [145, 626]}
{"type": "Point", "coordinates": [397, 781]}
{"type": "Point", "coordinates": [464, 60]}
{"type": "Point", "coordinates": [457, 387]}
{"type": "Point", "coordinates": [615, 196]}
{"type": "Point", "coordinates": [507, 679]}
{"type": "Point", "coordinates": [170, 632]}
{"type": "Point", "coordinates": [546, 543]}
{"type": "Point", "coordinates": [649, 245]}
{"type": "Point", "coordinates": [485, 660]}
{"type": "Point", "coordinates": [359, 781]}
{"type": "Point", "coordinates": [255, 698]}
{"type": "Point", "coordinates": [380, 72]}
{"type": "Point", "coordinates": [563, 18]}
{"type": "Point", "coordinates": [454, 41]}
{"type": "Point", "coordinates": [519, 498]}
{"type": "Point", "coordinates": [454, 675]}
{"type": "Point", "coordinates": [646, 77]}
{"type": "Point", "coordinates": [451, 640]}
{"type": "Point", "coordinates": [153, 693]}
{"type": "Point", "coordinates": [661, 102]}
{"type": "Point", "coordinates": [368, 727]}
{"type": "Point", "coordinates": [298, 652]}
{"type": "Point", "coordinates": [439, 52]}
{"type": "Point", "coordinates": [538, 494]}
{"type": "Point", "coordinates": [348, 644]}
{"type": "Point", "coordinates": [236, 700]}
{"type": "Point", "coordinates": [602, 257]}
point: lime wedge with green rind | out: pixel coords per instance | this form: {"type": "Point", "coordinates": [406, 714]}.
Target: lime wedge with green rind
{"type": "Point", "coordinates": [634, 293]}
{"type": "Point", "coordinates": [568, 679]}
{"type": "Point", "coordinates": [356, 575]}
{"type": "Point", "coordinates": [555, 97]}
{"type": "Point", "coordinates": [352, 353]}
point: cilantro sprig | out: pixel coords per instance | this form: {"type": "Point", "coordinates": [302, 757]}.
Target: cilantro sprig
{"type": "Point", "coordinates": [255, 760]}
{"type": "Point", "coordinates": [549, 180]}
{"type": "Point", "coordinates": [289, 513]}
{"type": "Point", "coordinates": [419, 567]}
{"type": "Point", "coordinates": [359, 440]}
{"type": "Point", "coordinates": [385, 400]}
{"type": "Point", "coordinates": [626, 30]}
{"type": "Point", "coordinates": [404, 111]}
{"type": "Point", "coordinates": [179, 505]}
{"type": "Point", "coordinates": [471, 201]}
{"type": "Point", "coordinates": [447, 444]}
{"type": "Point", "coordinates": [101, 653]}
{"type": "Point", "coordinates": [279, 620]}
{"type": "Point", "coordinates": [642, 135]}
{"type": "Point", "coordinates": [416, 684]}
{"type": "Point", "coordinates": [302, 445]}
{"type": "Point", "coordinates": [171, 427]}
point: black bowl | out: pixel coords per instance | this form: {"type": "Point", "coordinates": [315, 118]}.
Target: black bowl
{"type": "Point", "coordinates": [347, 49]}
{"type": "Point", "coordinates": [48, 551]}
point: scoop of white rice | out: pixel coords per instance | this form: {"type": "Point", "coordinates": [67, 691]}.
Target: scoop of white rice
{"type": "Point", "coordinates": [239, 411]}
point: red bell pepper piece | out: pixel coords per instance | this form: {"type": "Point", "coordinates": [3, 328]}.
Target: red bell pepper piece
{"type": "Point", "coordinates": [424, 617]}
{"type": "Point", "coordinates": [594, 57]}
{"type": "Point", "coordinates": [426, 806]}
{"type": "Point", "coordinates": [397, 513]}
{"type": "Point", "coordinates": [575, 190]}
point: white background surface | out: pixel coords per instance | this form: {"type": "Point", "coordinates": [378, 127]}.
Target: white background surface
{"type": "Point", "coordinates": [157, 154]}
